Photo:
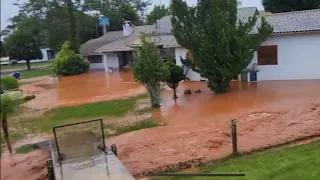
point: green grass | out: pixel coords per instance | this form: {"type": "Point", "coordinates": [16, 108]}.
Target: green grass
{"type": "Point", "coordinates": [23, 66]}
{"type": "Point", "coordinates": [144, 124]}
{"type": "Point", "coordinates": [27, 148]}
{"type": "Point", "coordinates": [65, 115]}
{"type": "Point", "coordinates": [36, 73]}
{"type": "Point", "coordinates": [295, 163]}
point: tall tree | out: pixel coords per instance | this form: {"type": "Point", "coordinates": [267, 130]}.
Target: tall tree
{"type": "Point", "coordinates": [278, 6]}
{"type": "Point", "coordinates": [2, 49]}
{"type": "Point", "coordinates": [72, 27]}
{"type": "Point", "coordinates": [22, 45]}
{"type": "Point", "coordinates": [9, 104]}
{"type": "Point", "coordinates": [149, 69]}
{"type": "Point", "coordinates": [221, 44]}
{"type": "Point", "coordinates": [118, 10]}
{"type": "Point", "coordinates": [175, 75]}
{"type": "Point", "coordinates": [157, 13]}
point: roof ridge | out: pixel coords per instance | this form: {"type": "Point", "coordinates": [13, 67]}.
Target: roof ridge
{"type": "Point", "coordinates": [293, 12]}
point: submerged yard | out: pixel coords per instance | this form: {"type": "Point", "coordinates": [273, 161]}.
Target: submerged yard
{"type": "Point", "coordinates": [190, 131]}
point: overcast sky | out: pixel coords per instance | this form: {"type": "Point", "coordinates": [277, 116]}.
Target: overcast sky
{"type": "Point", "coordinates": [8, 10]}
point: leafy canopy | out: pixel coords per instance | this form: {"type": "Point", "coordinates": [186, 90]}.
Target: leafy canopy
{"type": "Point", "coordinates": [175, 75]}
{"type": "Point", "coordinates": [221, 44]}
{"type": "Point", "coordinates": [278, 6]}
{"type": "Point", "coordinates": [149, 69]}
{"type": "Point", "coordinates": [10, 102]}
{"type": "Point", "coordinates": [157, 13]}
{"type": "Point", "coordinates": [23, 45]}
{"type": "Point", "coordinates": [69, 63]}
{"type": "Point", "coordinates": [2, 50]}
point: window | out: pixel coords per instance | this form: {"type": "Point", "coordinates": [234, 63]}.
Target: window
{"type": "Point", "coordinates": [268, 55]}
{"type": "Point", "coordinates": [95, 59]}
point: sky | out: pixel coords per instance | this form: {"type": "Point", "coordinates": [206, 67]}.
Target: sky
{"type": "Point", "coordinates": [8, 10]}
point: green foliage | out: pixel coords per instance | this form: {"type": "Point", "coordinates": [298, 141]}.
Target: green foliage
{"type": "Point", "coordinates": [175, 75]}
{"type": "Point", "coordinates": [287, 163]}
{"type": "Point", "coordinates": [157, 13]}
{"type": "Point", "coordinates": [278, 6]}
{"type": "Point", "coordinates": [221, 45]}
{"type": "Point", "coordinates": [9, 82]}
{"type": "Point", "coordinates": [73, 38]}
{"type": "Point", "coordinates": [23, 45]}
{"type": "Point", "coordinates": [69, 63]}
{"type": "Point", "coordinates": [27, 148]}
{"type": "Point", "coordinates": [2, 50]}
{"type": "Point", "coordinates": [10, 102]}
{"type": "Point", "coordinates": [119, 10]}
{"type": "Point", "coordinates": [144, 124]}
{"type": "Point", "coordinates": [57, 27]}
{"type": "Point", "coordinates": [149, 69]}
{"type": "Point", "coordinates": [48, 20]}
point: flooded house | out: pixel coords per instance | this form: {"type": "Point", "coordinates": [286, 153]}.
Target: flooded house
{"type": "Point", "coordinates": [290, 53]}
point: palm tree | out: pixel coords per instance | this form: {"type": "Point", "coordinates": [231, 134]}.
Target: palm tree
{"type": "Point", "coordinates": [9, 103]}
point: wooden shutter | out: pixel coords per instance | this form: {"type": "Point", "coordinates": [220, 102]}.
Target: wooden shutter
{"type": "Point", "coordinates": [268, 55]}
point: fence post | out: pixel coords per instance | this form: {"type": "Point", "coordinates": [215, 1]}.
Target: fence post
{"type": "Point", "coordinates": [234, 137]}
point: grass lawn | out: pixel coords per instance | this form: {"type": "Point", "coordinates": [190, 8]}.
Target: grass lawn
{"type": "Point", "coordinates": [295, 163]}
{"type": "Point", "coordinates": [24, 65]}
{"type": "Point", "coordinates": [36, 73]}
{"type": "Point", "coordinates": [20, 127]}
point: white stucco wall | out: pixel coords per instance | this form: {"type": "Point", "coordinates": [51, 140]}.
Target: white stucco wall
{"type": "Point", "coordinates": [110, 60]}
{"type": "Point", "coordinates": [298, 57]}
{"type": "Point", "coordinates": [181, 52]}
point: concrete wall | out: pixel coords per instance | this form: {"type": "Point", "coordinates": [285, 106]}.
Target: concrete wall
{"type": "Point", "coordinates": [110, 60]}
{"type": "Point", "coordinates": [181, 52]}
{"type": "Point", "coordinates": [298, 57]}
{"type": "Point", "coordinates": [44, 53]}
{"type": "Point", "coordinates": [113, 60]}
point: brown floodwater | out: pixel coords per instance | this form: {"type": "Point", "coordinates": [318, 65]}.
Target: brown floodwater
{"type": "Point", "coordinates": [75, 90]}
{"type": "Point", "coordinates": [197, 126]}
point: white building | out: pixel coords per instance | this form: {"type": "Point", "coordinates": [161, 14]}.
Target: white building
{"type": "Point", "coordinates": [291, 52]}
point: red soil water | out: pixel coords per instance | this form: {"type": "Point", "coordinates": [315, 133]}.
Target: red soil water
{"type": "Point", "coordinates": [86, 88]}
{"type": "Point", "coordinates": [198, 125]}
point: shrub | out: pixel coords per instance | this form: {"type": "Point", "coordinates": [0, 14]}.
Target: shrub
{"type": "Point", "coordinates": [69, 63]}
{"type": "Point", "coordinates": [9, 82]}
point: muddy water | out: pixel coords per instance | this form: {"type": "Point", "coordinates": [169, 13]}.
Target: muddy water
{"type": "Point", "coordinates": [75, 90]}
{"type": "Point", "coordinates": [198, 125]}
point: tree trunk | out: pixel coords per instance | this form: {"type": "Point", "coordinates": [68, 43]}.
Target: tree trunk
{"type": "Point", "coordinates": [219, 85]}
{"type": "Point", "coordinates": [28, 64]}
{"type": "Point", "coordinates": [175, 93]}
{"type": "Point", "coordinates": [72, 27]}
{"type": "Point", "coordinates": [154, 93]}
{"type": "Point", "coordinates": [5, 131]}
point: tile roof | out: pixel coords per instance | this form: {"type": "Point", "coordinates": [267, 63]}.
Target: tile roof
{"type": "Point", "coordinates": [246, 12]}
{"type": "Point", "coordinates": [289, 22]}
{"type": "Point", "coordinates": [123, 43]}
{"type": "Point", "coordinates": [92, 45]}
{"type": "Point", "coordinates": [298, 21]}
